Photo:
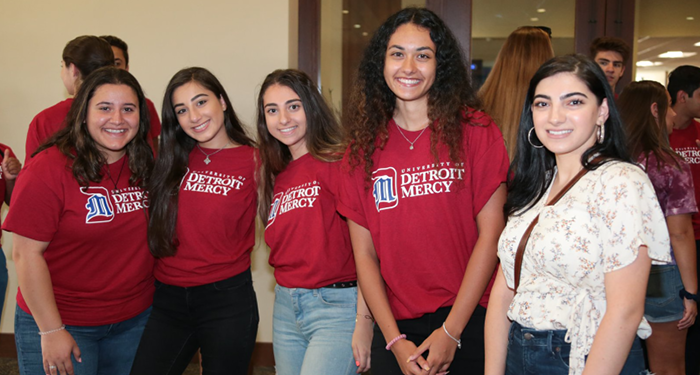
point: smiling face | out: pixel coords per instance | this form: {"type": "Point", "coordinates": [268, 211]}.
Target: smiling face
{"type": "Point", "coordinates": [285, 118]}
{"type": "Point", "coordinates": [410, 63]}
{"type": "Point", "coordinates": [566, 115]}
{"type": "Point", "coordinates": [113, 119]}
{"type": "Point", "coordinates": [200, 114]}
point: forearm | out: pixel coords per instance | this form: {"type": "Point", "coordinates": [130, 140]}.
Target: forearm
{"type": "Point", "coordinates": [613, 342]}
{"type": "Point", "coordinates": [497, 326]}
{"type": "Point", "coordinates": [683, 244]}
{"type": "Point", "coordinates": [363, 311]}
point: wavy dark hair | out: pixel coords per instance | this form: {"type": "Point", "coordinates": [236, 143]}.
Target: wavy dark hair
{"type": "Point", "coordinates": [324, 137]}
{"type": "Point", "coordinates": [88, 53]}
{"type": "Point", "coordinates": [372, 103]}
{"type": "Point", "coordinates": [532, 169]}
{"type": "Point", "coordinates": [645, 133]}
{"type": "Point", "coordinates": [74, 140]}
{"type": "Point", "coordinates": [171, 165]}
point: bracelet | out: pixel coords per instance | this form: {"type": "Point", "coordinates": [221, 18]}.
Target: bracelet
{"type": "Point", "coordinates": [61, 328]}
{"type": "Point", "coordinates": [364, 316]}
{"type": "Point", "coordinates": [687, 295]}
{"type": "Point", "coordinates": [459, 342]}
{"type": "Point", "coordinates": [392, 342]}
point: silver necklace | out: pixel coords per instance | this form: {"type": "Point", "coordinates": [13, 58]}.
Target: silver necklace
{"type": "Point", "coordinates": [404, 136]}
{"type": "Point", "coordinates": [207, 160]}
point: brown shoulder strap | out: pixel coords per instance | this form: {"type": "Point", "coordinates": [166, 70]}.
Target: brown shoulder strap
{"type": "Point", "coordinates": [526, 236]}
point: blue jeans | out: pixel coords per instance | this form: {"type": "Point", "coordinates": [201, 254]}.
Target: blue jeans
{"type": "Point", "coordinates": [533, 352]}
{"type": "Point", "coordinates": [221, 318]}
{"type": "Point", "coordinates": [312, 330]}
{"type": "Point", "coordinates": [106, 350]}
{"type": "Point", "coordinates": [3, 280]}
{"type": "Point", "coordinates": [663, 304]}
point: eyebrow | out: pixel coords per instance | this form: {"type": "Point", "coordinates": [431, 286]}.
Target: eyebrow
{"type": "Point", "coordinates": [110, 103]}
{"type": "Point", "coordinates": [287, 102]}
{"type": "Point", "coordinates": [191, 100]}
{"type": "Point", "coordinates": [565, 96]}
{"type": "Point", "coordinates": [424, 48]}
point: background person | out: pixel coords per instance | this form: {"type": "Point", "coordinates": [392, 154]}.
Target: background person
{"type": "Point", "coordinates": [81, 56]}
{"type": "Point", "coordinates": [611, 54]}
{"type": "Point", "coordinates": [505, 88]}
{"type": "Point", "coordinates": [320, 319]}
{"type": "Point", "coordinates": [201, 229]}
{"type": "Point", "coordinates": [9, 169]}
{"type": "Point", "coordinates": [423, 196]}
{"type": "Point", "coordinates": [667, 313]}
{"type": "Point", "coordinates": [79, 235]}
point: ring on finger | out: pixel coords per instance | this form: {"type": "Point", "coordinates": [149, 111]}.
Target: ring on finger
{"type": "Point", "coordinates": [52, 367]}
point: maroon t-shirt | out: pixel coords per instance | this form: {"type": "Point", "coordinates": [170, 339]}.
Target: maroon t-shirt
{"type": "Point", "coordinates": [422, 214]}
{"type": "Point", "coordinates": [3, 149]}
{"type": "Point", "coordinates": [683, 142]}
{"type": "Point", "coordinates": [309, 241]}
{"type": "Point", "coordinates": [50, 120]}
{"type": "Point", "coordinates": [98, 258]}
{"type": "Point", "coordinates": [215, 220]}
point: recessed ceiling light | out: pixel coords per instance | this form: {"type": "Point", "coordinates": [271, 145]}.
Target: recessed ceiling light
{"type": "Point", "coordinates": [697, 44]}
{"type": "Point", "coordinates": [690, 18]}
{"type": "Point", "coordinates": [357, 25]}
{"type": "Point", "coordinates": [676, 54]}
{"type": "Point", "coordinates": [345, 11]}
{"type": "Point", "coordinates": [533, 19]}
{"type": "Point", "coordinates": [541, 10]}
{"type": "Point", "coordinates": [364, 33]}
{"type": "Point", "coordinates": [647, 63]}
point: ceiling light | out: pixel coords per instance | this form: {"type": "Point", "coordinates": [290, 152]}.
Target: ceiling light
{"type": "Point", "coordinates": [364, 33]}
{"type": "Point", "coordinates": [533, 19]}
{"type": "Point", "coordinates": [357, 25]}
{"type": "Point", "coordinates": [690, 18]}
{"type": "Point", "coordinates": [345, 11]}
{"type": "Point", "coordinates": [697, 44]}
{"type": "Point", "coordinates": [541, 10]}
{"type": "Point", "coordinates": [647, 63]}
{"type": "Point", "coordinates": [676, 54]}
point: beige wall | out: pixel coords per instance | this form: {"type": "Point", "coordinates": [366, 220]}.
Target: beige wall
{"type": "Point", "coordinates": [240, 41]}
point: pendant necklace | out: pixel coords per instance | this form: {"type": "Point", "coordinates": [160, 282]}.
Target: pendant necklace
{"type": "Point", "coordinates": [116, 182]}
{"type": "Point", "coordinates": [404, 136]}
{"type": "Point", "coordinates": [206, 159]}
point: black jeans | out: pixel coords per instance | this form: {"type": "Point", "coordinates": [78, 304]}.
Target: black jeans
{"type": "Point", "coordinates": [692, 344]}
{"type": "Point", "coordinates": [468, 360]}
{"type": "Point", "coordinates": [221, 318]}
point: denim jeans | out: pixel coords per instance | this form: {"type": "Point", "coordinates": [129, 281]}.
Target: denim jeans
{"type": "Point", "coordinates": [220, 318]}
{"type": "Point", "coordinates": [3, 280]}
{"type": "Point", "coordinates": [468, 360]}
{"type": "Point", "coordinates": [533, 352]}
{"type": "Point", "coordinates": [312, 331]}
{"type": "Point", "coordinates": [105, 350]}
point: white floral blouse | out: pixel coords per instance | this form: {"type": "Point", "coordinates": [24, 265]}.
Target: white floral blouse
{"type": "Point", "coordinates": [597, 227]}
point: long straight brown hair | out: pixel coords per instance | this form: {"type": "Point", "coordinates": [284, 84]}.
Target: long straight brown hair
{"type": "Point", "coordinates": [504, 91]}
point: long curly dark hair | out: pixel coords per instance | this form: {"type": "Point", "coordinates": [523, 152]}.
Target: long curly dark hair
{"type": "Point", "coordinates": [173, 158]}
{"type": "Point", "coordinates": [74, 140]}
{"type": "Point", "coordinates": [323, 137]}
{"type": "Point", "coordinates": [372, 103]}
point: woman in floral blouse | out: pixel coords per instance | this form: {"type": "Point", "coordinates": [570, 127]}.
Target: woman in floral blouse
{"type": "Point", "coordinates": [580, 301]}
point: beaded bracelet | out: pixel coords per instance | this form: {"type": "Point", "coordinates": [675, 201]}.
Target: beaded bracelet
{"type": "Point", "coordinates": [392, 342]}
{"type": "Point", "coordinates": [61, 328]}
{"type": "Point", "coordinates": [458, 341]}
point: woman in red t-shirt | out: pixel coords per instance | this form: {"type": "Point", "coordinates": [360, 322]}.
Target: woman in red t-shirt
{"type": "Point", "coordinates": [201, 230]}
{"type": "Point", "coordinates": [79, 235]}
{"type": "Point", "coordinates": [424, 197]}
{"type": "Point", "coordinates": [320, 319]}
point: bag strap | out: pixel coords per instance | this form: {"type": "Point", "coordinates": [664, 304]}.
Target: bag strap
{"type": "Point", "coordinates": [526, 236]}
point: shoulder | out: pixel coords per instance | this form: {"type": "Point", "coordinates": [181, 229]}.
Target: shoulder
{"type": "Point", "coordinates": [5, 148]}
{"type": "Point", "coordinates": [59, 109]}
{"type": "Point", "coordinates": [49, 161]}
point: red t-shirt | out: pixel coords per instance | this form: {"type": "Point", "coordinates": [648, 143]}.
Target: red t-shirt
{"type": "Point", "coordinates": [309, 241]}
{"type": "Point", "coordinates": [50, 120]}
{"type": "Point", "coordinates": [422, 215]}
{"type": "Point", "coordinates": [3, 187]}
{"type": "Point", "coordinates": [98, 258]}
{"type": "Point", "coordinates": [683, 142]}
{"type": "Point", "coordinates": [215, 219]}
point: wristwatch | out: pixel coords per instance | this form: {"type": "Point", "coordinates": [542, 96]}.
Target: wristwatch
{"type": "Point", "coordinates": [684, 294]}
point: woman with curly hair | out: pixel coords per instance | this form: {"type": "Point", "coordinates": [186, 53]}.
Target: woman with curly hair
{"type": "Point", "coordinates": [320, 319]}
{"type": "Point", "coordinates": [201, 230]}
{"type": "Point", "coordinates": [79, 235]}
{"type": "Point", "coordinates": [668, 314]}
{"type": "Point", "coordinates": [423, 197]}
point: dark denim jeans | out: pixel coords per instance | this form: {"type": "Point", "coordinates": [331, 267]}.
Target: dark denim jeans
{"type": "Point", "coordinates": [221, 318]}
{"type": "Point", "coordinates": [533, 352]}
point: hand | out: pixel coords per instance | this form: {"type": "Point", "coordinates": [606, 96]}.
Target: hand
{"type": "Point", "coordinates": [362, 343]}
{"type": "Point", "coordinates": [402, 350]}
{"type": "Point", "coordinates": [689, 314]}
{"type": "Point", "coordinates": [10, 166]}
{"type": "Point", "coordinates": [442, 352]}
{"type": "Point", "coordinates": [56, 348]}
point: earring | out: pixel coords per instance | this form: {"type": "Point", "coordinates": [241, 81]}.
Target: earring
{"type": "Point", "coordinates": [601, 132]}
{"type": "Point", "coordinates": [529, 139]}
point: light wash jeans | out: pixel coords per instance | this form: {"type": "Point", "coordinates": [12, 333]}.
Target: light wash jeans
{"type": "Point", "coordinates": [105, 350]}
{"type": "Point", "coordinates": [312, 331]}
